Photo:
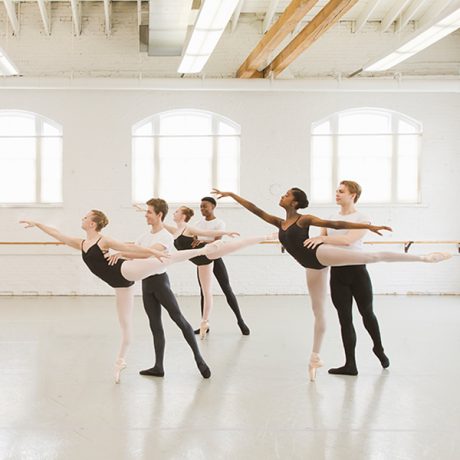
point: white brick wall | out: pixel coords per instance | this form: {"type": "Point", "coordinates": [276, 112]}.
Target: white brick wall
{"type": "Point", "coordinates": [275, 144]}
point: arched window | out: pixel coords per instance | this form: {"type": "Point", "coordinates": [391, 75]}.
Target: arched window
{"type": "Point", "coordinates": [181, 155]}
{"type": "Point", "coordinates": [377, 148]}
{"type": "Point", "coordinates": [30, 158]}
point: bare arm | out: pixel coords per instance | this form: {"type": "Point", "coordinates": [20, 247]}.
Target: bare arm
{"type": "Point", "coordinates": [54, 233]}
{"type": "Point", "coordinates": [114, 258]}
{"type": "Point", "coordinates": [135, 251]}
{"type": "Point", "coordinates": [339, 224]}
{"type": "Point", "coordinates": [346, 239]}
{"type": "Point", "coordinates": [273, 220]}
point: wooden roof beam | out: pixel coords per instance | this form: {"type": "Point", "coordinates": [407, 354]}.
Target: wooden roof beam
{"type": "Point", "coordinates": [320, 24]}
{"type": "Point", "coordinates": [285, 24]}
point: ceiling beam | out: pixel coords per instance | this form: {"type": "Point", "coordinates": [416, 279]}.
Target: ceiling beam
{"type": "Point", "coordinates": [11, 11]}
{"type": "Point", "coordinates": [320, 24]}
{"type": "Point", "coordinates": [75, 6]}
{"type": "Point", "coordinates": [366, 14]}
{"type": "Point", "coordinates": [433, 11]}
{"type": "Point", "coordinates": [409, 13]}
{"type": "Point", "coordinates": [236, 15]}
{"type": "Point", "coordinates": [44, 5]}
{"type": "Point", "coordinates": [285, 24]}
{"type": "Point", "coordinates": [271, 10]}
{"type": "Point", "coordinates": [393, 14]}
{"type": "Point", "coordinates": [108, 16]}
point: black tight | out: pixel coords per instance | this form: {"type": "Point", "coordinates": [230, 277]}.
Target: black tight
{"type": "Point", "coordinates": [156, 291]}
{"type": "Point", "coordinates": [354, 282]}
{"type": "Point", "coordinates": [221, 274]}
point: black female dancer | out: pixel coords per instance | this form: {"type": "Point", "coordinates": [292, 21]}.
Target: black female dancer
{"type": "Point", "coordinates": [293, 231]}
{"type": "Point", "coordinates": [184, 236]}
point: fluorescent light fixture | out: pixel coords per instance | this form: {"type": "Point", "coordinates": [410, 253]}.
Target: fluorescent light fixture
{"type": "Point", "coordinates": [423, 40]}
{"type": "Point", "coordinates": [7, 68]}
{"type": "Point", "coordinates": [209, 27]}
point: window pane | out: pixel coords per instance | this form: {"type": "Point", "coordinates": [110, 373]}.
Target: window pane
{"type": "Point", "coordinates": [225, 128]}
{"type": "Point", "coordinates": [408, 148]}
{"type": "Point", "coordinates": [145, 130]}
{"type": "Point", "coordinates": [184, 124]}
{"type": "Point", "coordinates": [367, 160]}
{"type": "Point", "coordinates": [186, 168]}
{"type": "Point", "coordinates": [17, 125]}
{"type": "Point", "coordinates": [17, 170]}
{"type": "Point", "coordinates": [364, 123]}
{"type": "Point", "coordinates": [323, 128]}
{"type": "Point", "coordinates": [405, 127]}
{"type": "Point", "coordinates": [50, 130]}
{"type": "Point", "coordinates": [51, 170]}
{"type": "Point", "coordinates": [142, 169]}
{"type": "Point", "coordinates": [321, 169]}
{"type": "Point", "coordinates": [228, 164]}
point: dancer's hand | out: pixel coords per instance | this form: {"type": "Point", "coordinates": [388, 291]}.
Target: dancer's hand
{"type": "Point", "coordinates": [376, 228]}
{"type": "Point", "coordinates": [138, 208]}
{"type": "Point", "coordinates": [160, 255]}
{"type": "Point", "coordinates": [28, 223]}
{"type": "Point", "coordinates": [113, 258]}
{"type": "Point", "coordinates": [312, 243]}
{"type": "Point", "coordinates": [196, 242]}
{"type": "Point", "coordinates": [219, 194]}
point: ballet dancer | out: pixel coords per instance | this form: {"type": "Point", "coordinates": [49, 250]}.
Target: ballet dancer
{"type": "Point", "coordinates": [211, 222]}
{"type": "Point", "coordinates": [184, 236]}
{"type": "Point", "coordinates": [352, 281]}
{"type": "Point", "coordinates": [122, 275]}
{"type": "Point", "coordinates": [156, 291]}
{"type": "Point", "coordinates": [293, 231]}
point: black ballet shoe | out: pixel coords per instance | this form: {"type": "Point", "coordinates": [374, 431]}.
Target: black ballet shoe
{"type": "Point", "coordinates": [244, 329]}
{"type": "Point", "coordinates": [153, 372]}
{"type": "Point", "coordinates": [204, 369]}
{"type": "Point", "coordinates": [197, 331]}
{"type": "Point", "coordinates": [383, 358]}
{"type": "Point", "coordinates": [344, 370]}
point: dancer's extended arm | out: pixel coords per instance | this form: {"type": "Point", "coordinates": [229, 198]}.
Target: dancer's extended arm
{"type": "Point", "coordinates": [308, 219]}
{"type": "Point", "coordinates": [133, 250]}
{"type": "Point", "coordinates": [273, 220]}
{"type": "Point", "coordinates": [347, 239]}
{"type": "Point", "coordinates": [214, 233]}
{"type": "Point", "coordinates": [55, 233]}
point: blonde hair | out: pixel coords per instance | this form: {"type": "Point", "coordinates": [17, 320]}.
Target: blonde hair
{"type": "Point", "coordinates": [187, 212]}
{"type": "Point", "coordinates": [353, 187]}
{"type": "Point", "coordinates": [99, 218]}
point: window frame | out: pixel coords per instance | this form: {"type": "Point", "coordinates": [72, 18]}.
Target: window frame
{"type": "Point", "coordinates": [155, 120]}
{"type": "Point", "coordinates": [39, 122]}
{"type": "Point", "coordinates": [396, 117]}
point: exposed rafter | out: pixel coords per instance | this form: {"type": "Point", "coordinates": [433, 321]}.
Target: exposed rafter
{"type": "Point", "coordinates": [320, 24]}
{"type": "Point", "coordinates": [44, 5]}
{"type": "Point", "coordinates": [108, 16]}
{"type": "Point", "coordinates": [285, 24]}
{"type": "Point", "coordinates": [435, 9]}
{"type": "Point", "coordinates": [410, 13]}
{"type": "Point", "coordinates": [236, 15]}
{"type": "Point", "coordinates": [393, 14]}
{"type": "Point", "coordinates": [11, 11]}
{"type": "Point", "coordinates": [366, 14]}
{"type": "Point", "coordinates": [271, 10]}
{"type": "Point", "coordinates": [76, 17]}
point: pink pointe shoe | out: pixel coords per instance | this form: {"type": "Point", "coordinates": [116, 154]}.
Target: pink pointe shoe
{"type": "Point", "coordinates": [315, 363]}
{"type": "Point", "coordinates": [204, 328]}
{"type": "Point", "coordinates": [436, 257]}
{"type": "Point", "coordinates": [120, 364]}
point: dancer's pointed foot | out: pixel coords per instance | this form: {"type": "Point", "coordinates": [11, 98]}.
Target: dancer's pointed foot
{"type": "Point", "coordinates": [120, 364]}
{"type": "Point", "coordinates": [155, 371]}
{"type": "Point", "coordinates": [204, 369]}
{"type": "Point", "coordinates": [344, 370]}
{"type": "Point", "coordinates": [384, 361]}
{"type": "Point", "coordinates": [244, 329]}
{"type": "Point", "coordinates": [197, 331]}
{"type": "Point", "coordinates": [436, 257]}
{"type": "Point", "coordinates": [315, 363]}
{"type": "Point", "coordinates": [204, 328]}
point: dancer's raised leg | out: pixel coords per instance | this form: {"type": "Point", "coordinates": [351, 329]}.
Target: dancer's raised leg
{"type": "Point", "coordinates": [222, 248]}
{"type": "Point", "coordinates": [125, 304]}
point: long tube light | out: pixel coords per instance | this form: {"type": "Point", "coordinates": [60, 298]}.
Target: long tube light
{"type": "Point", "coordinates": [211, 22]}
{"type": "Point", "coordinates": [433, 34]}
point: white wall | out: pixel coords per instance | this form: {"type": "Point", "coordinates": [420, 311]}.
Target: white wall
{"type": "Point", "coordinates": [275, 155]}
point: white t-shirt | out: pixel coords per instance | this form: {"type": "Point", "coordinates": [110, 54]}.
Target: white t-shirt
{"type": "Point", "coordinates": [357, 217]}
{"type": "Point", "coordinates": [215, 224]}
{"type": "Point", "coordinates": [163, 237]}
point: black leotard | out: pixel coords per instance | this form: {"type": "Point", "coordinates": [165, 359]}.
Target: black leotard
{"type": "Point", "coordinates": [292, 240]}
{"type": "Point", "coordinates": [185, 242]}
{"type": "Point", "coordinates": [97, 263]}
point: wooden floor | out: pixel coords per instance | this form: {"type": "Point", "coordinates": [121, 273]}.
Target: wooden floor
{"type": "Point", "coordinates": [58, 399]}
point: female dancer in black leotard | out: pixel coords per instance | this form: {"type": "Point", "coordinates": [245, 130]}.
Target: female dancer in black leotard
{"type": "Point", "coordinates": [185, 235]}
{"type": "Point", "coordinates": [293, 231]}
{"type": "Point", "coordinates": [121, 275]}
